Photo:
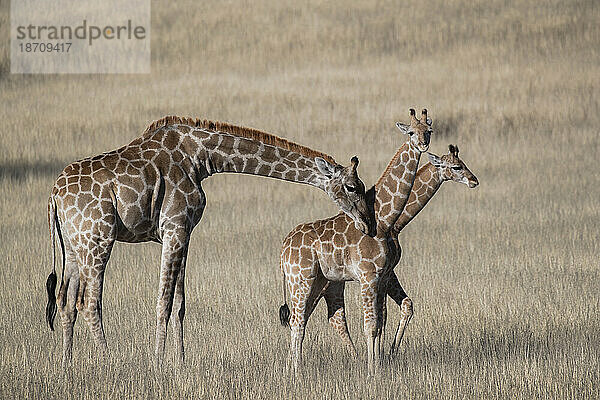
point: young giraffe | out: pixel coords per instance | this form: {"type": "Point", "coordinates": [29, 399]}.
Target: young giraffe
{"type": "Point", "coordinates": [150, 190]}
{"type": "Point", "coordinates": [333, 250]}
{"type": "Point", "coordinates": [428, 180]}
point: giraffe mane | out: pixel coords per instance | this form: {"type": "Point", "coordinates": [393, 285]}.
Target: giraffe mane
{"type": "Point", "coordinates": [240, 131]}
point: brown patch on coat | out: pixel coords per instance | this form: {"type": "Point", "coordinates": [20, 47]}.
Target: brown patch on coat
{"type": "Point", "coordinates": [339, 240]}
{"type": "Point", "coordinates": [177, 156]}
{"type": "Point", "coordinates": [251, 165]}
{"type": "Point", "coordinates": [290, 175]}
{"type": "Point", "coordinates": [85, 183]}
{"type": "Point", "coordinates": [247, 147]}
{"type": "Point", "coordinates": [227, 143]}
{"type": "Point", "coordinates": [264, 170]}
{"type": "Point", "coordinates": [171, 140]}
{"type": "Point", "coordinates": [86, 168]}
{"type": "Point", "coordinates": [189, 145]}
{"type": "Point", "coordinates": [162, 159]}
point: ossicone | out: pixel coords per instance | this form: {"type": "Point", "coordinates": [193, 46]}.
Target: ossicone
{"type": "Point", "coordinates": [413, 117]}
{"type": "Point", "coordinates": [453, 150]}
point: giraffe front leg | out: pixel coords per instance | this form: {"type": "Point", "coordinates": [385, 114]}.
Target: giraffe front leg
{"type": "Point", "coordinates": [174, 251]}
{"type": "Point", "coordinates": [396, 292]}
{"type": "Point", "coordinates": [194, 215]}
{"type": "Point", "coordinates": [372, 318]}
{"type": "Point", "coordinates": [334, 297]}
{"type": "Point", "coordinates": [297, 337]}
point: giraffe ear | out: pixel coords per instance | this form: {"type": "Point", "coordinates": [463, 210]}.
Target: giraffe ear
{"type": "Point", "coordinates": [435, 160]}
{"type": "Point", "coordinates": [325, 167]}
{"type": "Point", "coordinates": [404, 128]}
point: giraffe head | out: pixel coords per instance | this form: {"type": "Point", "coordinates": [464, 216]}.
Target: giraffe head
{"type": "Point", "coordinates": [453, 168]}
{"type": "Point", "coordinates": [419, 130]}
{"type": "Point", "coordinates": [347, 190]}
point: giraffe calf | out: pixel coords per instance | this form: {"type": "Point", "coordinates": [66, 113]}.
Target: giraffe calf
{"type": "Point", "coordinates": [428, 180]}
{"type": "Point", "coordinates": [323, 254]}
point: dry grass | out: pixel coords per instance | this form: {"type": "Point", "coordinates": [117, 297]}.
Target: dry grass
{"type": "Point", "coordinates": [505, 278]}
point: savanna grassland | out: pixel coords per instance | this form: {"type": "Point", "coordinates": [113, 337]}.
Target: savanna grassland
{"type": "Point", "coordinates": [505, 278]}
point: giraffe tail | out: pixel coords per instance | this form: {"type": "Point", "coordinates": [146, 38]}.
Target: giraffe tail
{"type": "Point", "coordinates": [284, 315]}
{"type": "Point", "coordinates": [284, 310]}
{"type": "Point", "coordinates": [51, 281]}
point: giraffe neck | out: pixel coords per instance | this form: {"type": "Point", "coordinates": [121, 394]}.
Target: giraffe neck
{"type": "Point", "coordinates": [213, 152]}
{"type": "Point", "coordinates": [427, 181]}
{"type": "Point", "coordinates": [394, 186]}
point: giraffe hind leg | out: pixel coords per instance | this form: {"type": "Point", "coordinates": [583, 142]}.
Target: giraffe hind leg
{"type": "Point", "coordinates": [90, 295]}
{"type": "Point", "coordinates": [397, 293]}
{"type": "Point", "coordinates": [336, 314]}
{"type": "Point", "coordinates": [179, 309]}
{"type": "Point", "coordinates": [304, 298]}
{"type": "Point", "coordinates": [66, 302]}
{"type": "Point", "coordinates": [381, 317]}
{"type": "Point", "coordinates": [92, 257]}
{"type": "Point", "coordinates": [406, 315]}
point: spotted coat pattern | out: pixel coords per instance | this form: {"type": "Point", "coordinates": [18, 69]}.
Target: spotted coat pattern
{"type": "Point", "coordinates": [150, 190]}
{"type": "Point", "coordinates": [428, 180]}
{"type": "Point", "coordinates": [313, 254]}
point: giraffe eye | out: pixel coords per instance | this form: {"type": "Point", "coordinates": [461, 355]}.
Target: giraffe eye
{"type": "Point", "coordinates": [457, 168]}
{"type": "Point", "coordinates": [350, 188]}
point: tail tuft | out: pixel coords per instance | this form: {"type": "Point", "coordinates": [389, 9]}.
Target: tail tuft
{"type": "Point", "coordinates": [51, 306]}
{"type": "Point", "coordinates": [284, 315]}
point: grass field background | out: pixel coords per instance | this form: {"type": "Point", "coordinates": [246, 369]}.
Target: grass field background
{"type": "Point", "coordinates": [505, 278]}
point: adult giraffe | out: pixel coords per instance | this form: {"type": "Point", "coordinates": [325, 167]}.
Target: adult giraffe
{"type": "Point", "coordinates": [150, 190]}
{"type": "Point", "coordinates": [315, 253]}
{"type": "Point", "coordinates": [428, 180]}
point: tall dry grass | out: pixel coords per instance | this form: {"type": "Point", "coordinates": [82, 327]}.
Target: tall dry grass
{"type": "Point", "coordinates": [504, 277]}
